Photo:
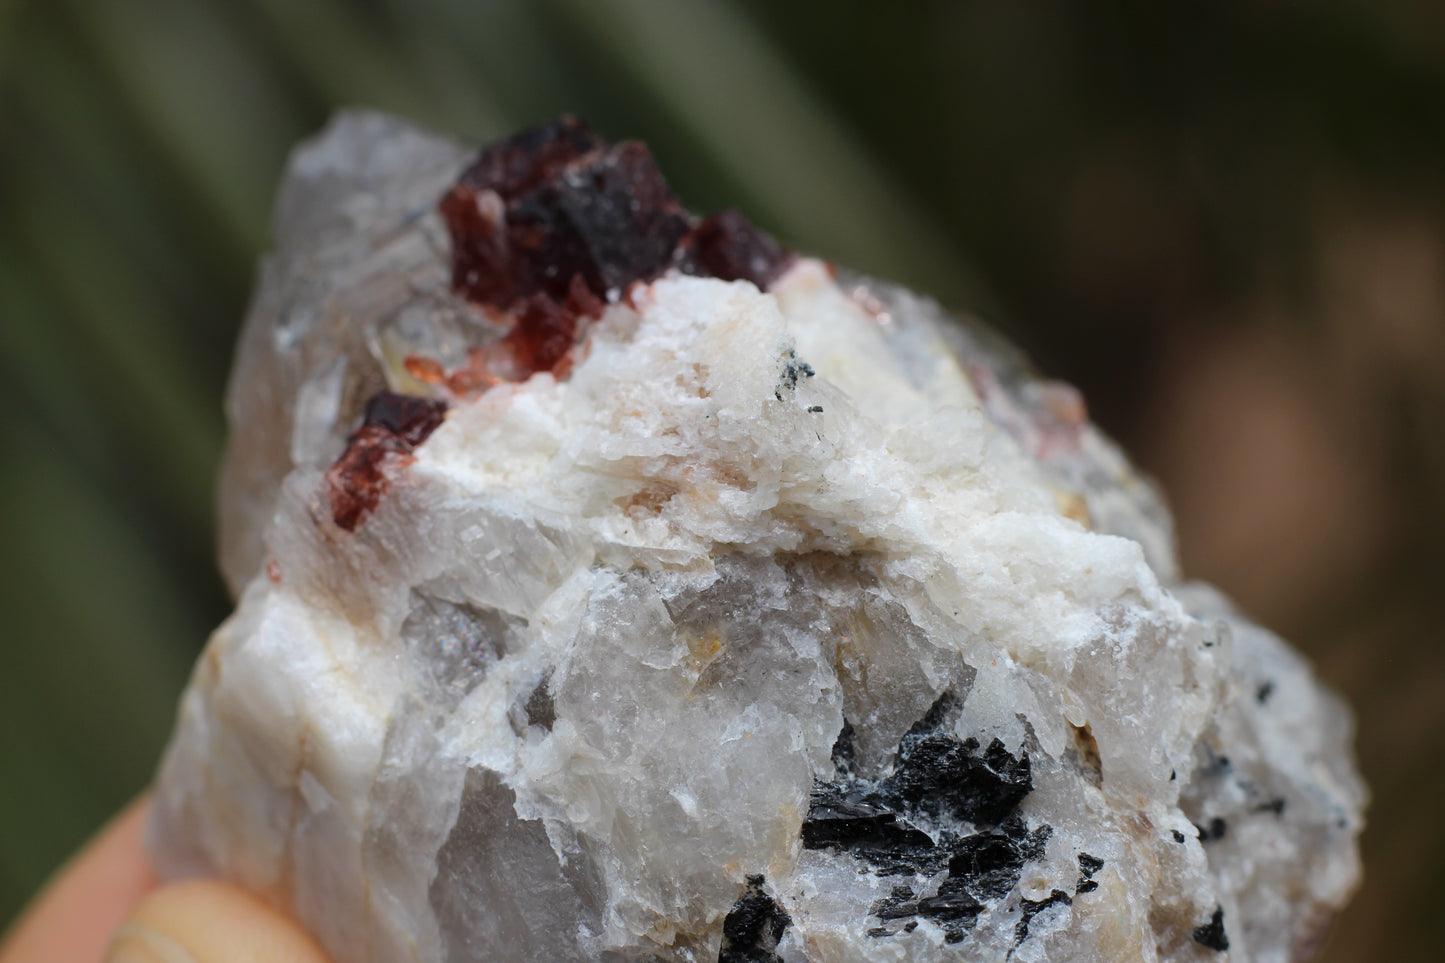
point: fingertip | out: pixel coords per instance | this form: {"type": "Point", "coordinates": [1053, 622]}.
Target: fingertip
{"type": "Point", "coordinates": [204, 921]}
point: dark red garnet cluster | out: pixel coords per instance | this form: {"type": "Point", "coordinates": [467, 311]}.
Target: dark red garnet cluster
{"type": "Point", "coordinates": [551, 224]}
{"type": "Point", "coordinates": [547, 227]}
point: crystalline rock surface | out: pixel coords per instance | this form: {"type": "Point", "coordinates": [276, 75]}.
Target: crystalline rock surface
{"type": "Point", "coordinates": [617, 585]}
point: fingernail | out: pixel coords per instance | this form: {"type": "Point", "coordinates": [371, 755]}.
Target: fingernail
{"type": "Point", "coordinates": [138, 943]}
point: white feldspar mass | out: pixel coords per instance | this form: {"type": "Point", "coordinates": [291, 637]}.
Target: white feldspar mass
{"type": "Point", "coordinates": [615, 585]}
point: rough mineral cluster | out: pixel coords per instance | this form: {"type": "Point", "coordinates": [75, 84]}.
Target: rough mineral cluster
{"type": "Point", "coordinates": [617, 585]}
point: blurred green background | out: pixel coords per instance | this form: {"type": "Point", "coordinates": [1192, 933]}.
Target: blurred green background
{"type": "Point", "coordinates": [1223, 220]}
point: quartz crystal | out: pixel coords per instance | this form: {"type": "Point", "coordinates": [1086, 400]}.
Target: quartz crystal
{"type": "Point", "coordinates": [615, 584]}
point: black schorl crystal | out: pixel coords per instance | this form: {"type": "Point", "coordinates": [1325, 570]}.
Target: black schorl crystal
{"type": "Point", "coordinates": [1088, 866]}
{"type": "Point", "coordinates": [1034, 907]}
{"type": "Point", "coordinates": [942, 776]}
{"type": "Point", "coordinates": [1215, 829]}
{"type": "Point", "coordinates": [901, 823]}
{"type": "Point", "coordinates": [863, 824]}
{"type": "Point", "coordinates": [753, 926]}
{"type": "Point", "coordinates": [1212, 934]}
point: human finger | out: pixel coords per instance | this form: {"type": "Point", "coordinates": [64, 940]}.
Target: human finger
{"type": "Point", "coordinates": [74, 916]}
{"type": "Point", "coordinates": [204, 921]}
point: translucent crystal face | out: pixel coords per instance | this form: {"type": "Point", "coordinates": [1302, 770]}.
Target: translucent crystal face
{"type": "Point", "coordinates": [616, 585]}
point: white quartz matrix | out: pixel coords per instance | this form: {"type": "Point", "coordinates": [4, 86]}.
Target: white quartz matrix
{"type": "Point", "coordinates": [803, 624]}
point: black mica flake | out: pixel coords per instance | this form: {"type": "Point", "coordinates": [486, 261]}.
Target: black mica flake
{"type": "Point", "coordinates": [753, 927]}
{"type": "Point", "coordinates": [904, 823]}
{"type": "Point", "coordinates": [1212, 934]}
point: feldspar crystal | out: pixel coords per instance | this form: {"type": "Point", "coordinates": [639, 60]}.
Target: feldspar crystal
{"type": "Point", "coordinates": [616, 585]}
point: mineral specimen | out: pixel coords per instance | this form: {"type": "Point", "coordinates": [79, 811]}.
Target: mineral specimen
{"type": "Point", "coordinates": [615, 585]}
